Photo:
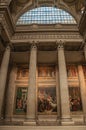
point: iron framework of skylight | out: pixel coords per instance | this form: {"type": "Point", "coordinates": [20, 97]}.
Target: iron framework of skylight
{"type": "Point", "coordinates": [46, 15]}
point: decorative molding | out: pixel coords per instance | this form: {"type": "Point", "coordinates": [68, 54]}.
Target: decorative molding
{"type": "Point", "coordinates": [60, 44]}
{"type": "Point", "coordinates": [6, 22]}
{"type": "Point", "coordinates": [45, 35]}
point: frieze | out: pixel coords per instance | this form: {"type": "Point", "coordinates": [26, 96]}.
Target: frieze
{"type": "Point", "coordinates": [24, 36]}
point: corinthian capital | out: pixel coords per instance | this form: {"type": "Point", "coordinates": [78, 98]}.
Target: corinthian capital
{"type": "Point", "coordinates": [60, 44]}
{"type": "Point", "coordinates": [33, 45]}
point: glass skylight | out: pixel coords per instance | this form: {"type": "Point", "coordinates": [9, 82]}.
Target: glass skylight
{"type": "Point", "coordinates": [46, 15]}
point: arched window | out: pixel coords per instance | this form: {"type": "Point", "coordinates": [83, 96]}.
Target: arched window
{"type": "Point", "coordinates": [46, 15]}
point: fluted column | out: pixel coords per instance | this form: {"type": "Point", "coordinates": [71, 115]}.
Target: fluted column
{"type": "Point", "coordinates": [85, 51]}
{"type": "Point", "coordinates": [65, 107]}
{"type": "Point", "coordinates": [3, 76]}
{"type": "Point", "coordinates": [83, 90]}
{"type": "Point", "coordinates": [11, 94]}
{"type": "Point", "coordinates": [31, 96]}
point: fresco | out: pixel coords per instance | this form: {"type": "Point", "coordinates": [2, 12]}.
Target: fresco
{"type": "Point", "coordinates": [22, 73]}
{"type": "Point", "coordinates": [75, 99]}
{"type": "Point", "coordinates": [21, 100]}
{"type": "Point", "coordinates": [47, 103]}
{"type": "Point", "coordinates": [46, 71]}
{"type": "Point", "coordinates": [72, 71]}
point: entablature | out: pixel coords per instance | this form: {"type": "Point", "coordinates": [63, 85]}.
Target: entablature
{"type": "Point", "coordinates": [46, 32]}
{"type": "Point", "coordinates": [46, 27]}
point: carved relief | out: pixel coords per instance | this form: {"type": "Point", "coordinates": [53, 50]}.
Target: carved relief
{"type": "Point", "coordinates": [46, 36]}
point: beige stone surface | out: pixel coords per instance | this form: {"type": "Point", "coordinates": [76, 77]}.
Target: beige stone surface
{"type": "Point", "coordinates": [83, 90]}
{"type": "Point", "coordinates": [3, 76]}
{"type": "Point", "coordinates": [11, 94]}
{"type": "Point", "coordinates": [42, 127]}
{"type": "Point", "coordinates": [31, 99]}
{"type": "Point", "coordinates": [65, 108]}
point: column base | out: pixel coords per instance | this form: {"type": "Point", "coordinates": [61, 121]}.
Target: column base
{"type": "Point", "coordinates": [67, 121]}
{"type": "Point", "coordinates": [29, 122]}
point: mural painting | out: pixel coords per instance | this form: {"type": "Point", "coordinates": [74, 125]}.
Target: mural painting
{"type": "Point", "coordinates": [84, 70]}
{"type": "Point", "coordinates": [21, 100]}
{"type": "Point", "coordinates": [72, 71]}
{"type": "Point", "coordinates": [75, 99]}
{"type": "Point", "coordinates": [47, 103]}
{"type": "Point", "coordinates": [22, 73]}
{"type": "Point", "coordinates": [46, 71]}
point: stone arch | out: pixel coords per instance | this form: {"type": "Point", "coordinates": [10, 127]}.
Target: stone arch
{"type": "Point", "coordinates": [24, 7]}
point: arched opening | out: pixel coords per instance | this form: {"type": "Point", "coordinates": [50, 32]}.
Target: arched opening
{"type": "Point", "coordinates": [46, 15]}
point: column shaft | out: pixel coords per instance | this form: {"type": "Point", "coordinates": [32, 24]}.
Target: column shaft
{"type": "Point", "coordinates": [58, 95]}
{"type": "Point", "coordinates": [3, 76]}
{"type": "Point", "coordinates": [31, 99]}
{"type": "Point", "coordinates": [83, 90]}
{"type": "Point", "coordinates": [11, 94]}
{"type": "Point", "coordinates": [65, 107]}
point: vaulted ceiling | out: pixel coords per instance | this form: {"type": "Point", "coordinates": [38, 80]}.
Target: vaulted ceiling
{"type": "Point", "coordinates": [18, 7]}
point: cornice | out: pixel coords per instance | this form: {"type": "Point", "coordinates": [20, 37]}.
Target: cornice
{"type": "Point", "coordinates": [47, 27]}
{"type": "Point", "coordinates": [46, 36]}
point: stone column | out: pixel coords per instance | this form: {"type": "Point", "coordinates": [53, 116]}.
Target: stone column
{"type": "Point", "coordinates": [64, 95]}
{"type": "Point", "coordinates": [3, 76]}
{"type": "Point", "coordinates": [31, 96]}
{"type": "Point", "coordinates": [85, 51]}
{"type": "Point", "coordinates": [11, 94]}
{"type": "Point", "coordinates": [58, 97]}
{"type": "Point", "coordinates": [83, 90]}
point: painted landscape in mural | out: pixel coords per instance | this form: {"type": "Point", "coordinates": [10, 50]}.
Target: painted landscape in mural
{"type": "Point", "coordinates": [21, 100]}
{"type": "Point", "coordinates": [75, 99]}
{"type": "Point", "coordinates": [47, 103]}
